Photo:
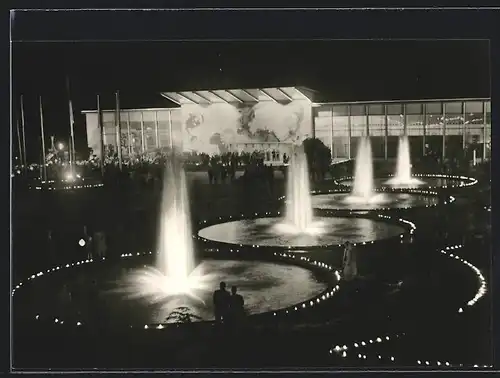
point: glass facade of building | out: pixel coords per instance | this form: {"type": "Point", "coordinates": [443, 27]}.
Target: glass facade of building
{"type": "Point", "coordinates": [141, 130]}
{"type": "Point", "coordinates": [440, 126]}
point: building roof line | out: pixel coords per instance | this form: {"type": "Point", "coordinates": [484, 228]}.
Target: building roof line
{"type": "Point", "coordinates": [322, 103]}
{"type": "Point", "coordinates": [399, 101]}
{"type": "Point", "coordinates": [131, 110]}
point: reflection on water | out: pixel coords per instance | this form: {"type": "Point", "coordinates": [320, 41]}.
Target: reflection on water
{"type": "Point", "coordinates": [264, 286]}
{"type": "Point", "coordinates": [263, 231]}
{"type": "Point", "coordinates": [391, 200]}
{"type": "Point", "coordinates": [427, 182]}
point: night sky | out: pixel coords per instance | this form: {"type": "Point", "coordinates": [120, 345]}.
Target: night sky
{"type": "Point", "coordinates": [339, 70]}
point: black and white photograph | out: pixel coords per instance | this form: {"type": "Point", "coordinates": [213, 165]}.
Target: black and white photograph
{"type": "Point", "coordinates": [247, 203]}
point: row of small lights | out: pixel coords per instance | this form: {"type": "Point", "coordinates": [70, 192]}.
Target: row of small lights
{"type": "Point", "coordinates": [268, 214]}
{"type": "Point", "coordinates": [380, 190]}
{"type": "Point", "coordinates": [342, 350]}
{"type": "Point", "coordinates": [326, 295]}
{"type": "Point", "coordinates": [323, 296]}
{"type": "Point", "coordinates": [466, 181]}
{"type": "Point", "coordinates": [48, 271]}
{"type": "Point", "coordinates": [310, 303]}
{"type": "Point", "coordinates": [69, 187]}
{"type": "Point", "coordinates": [482, 281]}
{"type": "Point", "coordinates": [410, 224]}
{"type": "Point", "coordinates": [487, 208]}
{"type": "Point", "coordinates": [70, 265]}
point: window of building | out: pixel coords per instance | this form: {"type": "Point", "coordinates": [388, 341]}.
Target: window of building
{"type": "Point", "coordinates": [124, 140]}
{"type": "Point", "coordinates": [453, 108]}
{"type": "Point", "coordinates": [164, 128]}
{"type": "Point", "coordinates": [413, 109]}
{"type": "Point", "coordinates": [340, 110]}
{"type": "Point", "coordinates": [394, 109]}
{"type": "Point", "coordinates": [358, 110]}
{"type": "Point", "coordinates": [395, 125]}
{"type": "Point", "coordinates": [376, 109]}
{"type": "Point", "coordinates": [340, 137]}
{"type": "Point", "coordinates": [358, 126]}
{"type": "Point", "coordinates": [377, 125]}
{"type": "Point", "coordinates": [415, 124]}
{"type": "Point", "coordinates": [434, 119]}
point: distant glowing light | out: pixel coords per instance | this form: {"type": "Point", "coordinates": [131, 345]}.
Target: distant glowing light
{"type": "Point", "coordinates": [81, 242]}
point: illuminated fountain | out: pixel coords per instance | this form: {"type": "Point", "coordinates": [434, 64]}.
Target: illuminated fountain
{"type": "Point", "coordinates": [363, 196]}
{"type": "Point", "coordinates": [403, 175]}
{"type": "Point", "coordinates": [299, 211]}
{"type": "Point", "coordinates": [363, 171]}
{"type": "Point", "coordinates": [299, 228]}
{"type": "Point", "coordinates": [402, 179]}
{"type": "Point", "coordinates": [176, 281]}
{"type": "Point", "coordinates": [363, 190]}
{"type": "Point", "coordinates": [175, 272]}
{"type": "Point", "coordinates": [137, 290]}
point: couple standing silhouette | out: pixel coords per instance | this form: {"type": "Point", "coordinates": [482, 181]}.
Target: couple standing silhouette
{"type": "Point", "coordinates": [228, 307]}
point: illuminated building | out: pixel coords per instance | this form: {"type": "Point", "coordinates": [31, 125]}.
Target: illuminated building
{"type": "Point", "coordinates": [273, 119]}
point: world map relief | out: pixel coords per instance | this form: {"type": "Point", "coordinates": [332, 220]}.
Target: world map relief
{"type": "Point", "coordinates": [212, 129]}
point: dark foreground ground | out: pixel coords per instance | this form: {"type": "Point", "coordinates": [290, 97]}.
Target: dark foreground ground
{"type": "Point", "coordinates": [424, 309]}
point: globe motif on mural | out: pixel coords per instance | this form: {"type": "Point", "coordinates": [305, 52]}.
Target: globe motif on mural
{"type": "Point", "coordinates": [212, 129]}
{"type": "Point", "coordinates": [193, 121]}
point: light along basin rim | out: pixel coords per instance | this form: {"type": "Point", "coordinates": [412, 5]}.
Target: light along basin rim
{"type": "Point", "coordinates": [325, 295]}
{"type": "Point", "coordinates": [408, 226]}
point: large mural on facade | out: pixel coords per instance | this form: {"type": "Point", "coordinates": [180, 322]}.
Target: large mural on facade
{"type": "Point", "coordinates": [214, 128]}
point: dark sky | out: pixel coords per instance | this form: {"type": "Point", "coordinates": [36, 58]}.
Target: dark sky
{"type": "Point", "coordinates": [340, 70]}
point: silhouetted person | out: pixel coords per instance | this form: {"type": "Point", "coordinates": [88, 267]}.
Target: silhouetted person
{"type": "Point", "coordinates": [236, 306]}
{"type": "Point", "coordinates": [89, 247]}
{"type": "Point", "coordinates": [349, 263]}
{"type": "Point", "coordinates": [210, 175]}
{"type": "Point", "coordinates": [100, 244]}
{"type": "Point", "coordinates": [222, 300]}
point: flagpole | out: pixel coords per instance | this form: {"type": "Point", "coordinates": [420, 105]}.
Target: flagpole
{"type": "Point", "coordinates": [42, 132]}
{"type": "Point", "coordinates": [25, 165]}
{"type": "Point", "coordinates": [118, 129]}
{"type": "Point", "coordinates": [71, 125]}
{"type": "Point", "coordinates": [19, 142]}
{"type": "Point", "coordinates": [70, 151]}
{"type": "Point", "coordinates": [100, 124]}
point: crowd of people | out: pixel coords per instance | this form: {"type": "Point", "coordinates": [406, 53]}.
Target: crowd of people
{"type": "Point", "coordinates": [147, 169]}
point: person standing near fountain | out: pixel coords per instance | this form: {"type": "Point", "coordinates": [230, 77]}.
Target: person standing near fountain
{"type": "Point", "coordinates": [222, 300]}
{"type": "Point", "coordinates": [349, 263]}
{"type": "Point", "coordinates": [236, 307]}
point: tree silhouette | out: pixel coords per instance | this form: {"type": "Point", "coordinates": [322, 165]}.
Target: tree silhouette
{"type": "Point", "coordinates": [182, 315]}
{"type": "Point", "coordinates": [318, 157]}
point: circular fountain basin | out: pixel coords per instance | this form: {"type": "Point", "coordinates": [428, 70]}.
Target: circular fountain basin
{"type": "Point", "coordinates": [380, 201]}
{"type": "Point", "coordinates": [418, 182]}
{"type": "Point", "coordinates": [273, 232]}
{"type": "Point", "coordinates": [265, 286]}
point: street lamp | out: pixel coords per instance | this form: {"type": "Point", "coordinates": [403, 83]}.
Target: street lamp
{"type": "Point", "coordinates": [60, 146]}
